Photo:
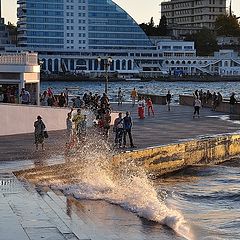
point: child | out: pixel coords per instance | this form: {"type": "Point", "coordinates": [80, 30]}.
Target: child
{"type": "Point", "coordinates": [150, 106]}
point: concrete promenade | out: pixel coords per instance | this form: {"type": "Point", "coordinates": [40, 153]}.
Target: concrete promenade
{"type": "Point", "coordinates": [45, 214]}
{"type": "Point", "coordinates": [163, 128]}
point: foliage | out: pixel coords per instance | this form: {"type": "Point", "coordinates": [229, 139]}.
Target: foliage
{"type": "Point", "coordinates": [151, 30]}
{"type": "Point", "coordinates": [205, 42]}
{"type": "Point", "coordinates": [227, 25]}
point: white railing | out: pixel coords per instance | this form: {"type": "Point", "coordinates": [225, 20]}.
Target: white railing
{"type": "Point", "coordinates": [19, 58]}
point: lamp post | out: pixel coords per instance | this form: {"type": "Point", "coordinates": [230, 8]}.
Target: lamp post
{"type": "Point", "coordinates": [107, 63]}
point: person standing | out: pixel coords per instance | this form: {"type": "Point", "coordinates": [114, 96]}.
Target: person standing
{"type": "Point", "coordinates": [62, 100]}
{"type": "Point", "coordinates": [120, 96]}
{"type": "Point", "coordinates": [118, 128]}
{"type": "Point", "coordinates": [168, 99]}
{"type": "Point", "coordinates": [25, 96]}
{"type": "Point", "coordinates": [127, 125]}
{"type": "Point", "coordinates": [150, 106]}
{"type": "Point", "coordinates": [69, 125]}
{"type": "Point", "coordinates": [44, 99]}
{"type": "Point", "coordinates": [106, 123]}
{"type": "Point", "coordinates": [134, 96]}
{"type": "Point", "coordinates": [197, 106]}
{"type": "Point", "coordinates": [232, 103]}
{"type": "Point", "coordinates": [77, 119]}
{"type": "Point", "coordinates": [39, 132]}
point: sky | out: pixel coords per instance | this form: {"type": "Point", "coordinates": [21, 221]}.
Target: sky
{"type": "Point", "coordinates": [140, 10]}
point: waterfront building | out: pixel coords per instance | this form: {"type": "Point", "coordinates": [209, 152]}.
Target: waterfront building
{"type": "Point", "coordinates": [223, 63]}
{"type": "Point", "coordinates": [71, 35]}
{"type": "Point", "coordinates": [17, 71]}
{"type": "Point", "coordinates": [189, 16]}
{"type": "Point", "coordinates": [77, 32]}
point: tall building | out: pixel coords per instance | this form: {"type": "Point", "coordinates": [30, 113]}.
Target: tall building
{"type": "Point", "coordinates": [187, 16]}
{"type": "Point", "coordinates": [77, 25]}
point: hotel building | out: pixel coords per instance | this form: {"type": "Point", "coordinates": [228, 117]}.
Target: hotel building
{"type": "Point", "coordinates": [71, 35]}
{"type": "Point", "coordinates": [188, 16]}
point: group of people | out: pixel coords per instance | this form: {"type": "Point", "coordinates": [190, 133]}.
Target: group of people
{"type": "Point", "coordinates": [123, 128]}
{"type": "Point", "coordinates": [207, 98]}
{"type": "Point", "coordinates": [48, 98]}
{"type": "Point", "coordinates": [142, 104]}
{"type": "Point", "coordinates": [213, 100]}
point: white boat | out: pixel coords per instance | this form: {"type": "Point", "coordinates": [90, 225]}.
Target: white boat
{"type": "Point", "coordinates": [133, 79]}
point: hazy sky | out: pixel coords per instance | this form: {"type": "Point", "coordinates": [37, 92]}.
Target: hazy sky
{"type": "Point", "coordinates": [140, 10]}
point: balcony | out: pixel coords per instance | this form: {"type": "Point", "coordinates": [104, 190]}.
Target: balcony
{"type": "Point", "coordinates": [19, 59]}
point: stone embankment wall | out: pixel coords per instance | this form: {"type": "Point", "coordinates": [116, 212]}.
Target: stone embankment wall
{"type": "Point", "coordinates": [166, 159]}
{"type": "Point", "coordinates": [19, 119]}
{"type": "Point", "coordinates": [224, 107]}
{"type": "Point", "coordinates": [162, 160]}
{"type": "Point", "coordinates": [156, 99]}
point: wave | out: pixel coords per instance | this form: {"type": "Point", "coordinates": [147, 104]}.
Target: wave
{"type": "Point", "coordinates": [91, 175]}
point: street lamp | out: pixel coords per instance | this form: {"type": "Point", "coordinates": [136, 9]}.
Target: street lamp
{"type": "Point", "coordinates": [107, 63]}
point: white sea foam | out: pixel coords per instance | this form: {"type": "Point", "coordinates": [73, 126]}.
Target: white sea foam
{"type": "Point", "coordinates": [125, 185]}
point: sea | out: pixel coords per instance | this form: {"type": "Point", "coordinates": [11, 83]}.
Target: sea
{"type": "Point", "coordinates": [198, 203]}
{"type": "Point", "coordinates": [150, 87]}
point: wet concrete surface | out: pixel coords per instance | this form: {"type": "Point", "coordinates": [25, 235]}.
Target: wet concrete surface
{"type": "Point", "coordinates": [36, 214]}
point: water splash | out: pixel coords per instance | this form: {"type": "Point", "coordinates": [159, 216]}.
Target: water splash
{"type": "Point", "coordinates": [90, 174]}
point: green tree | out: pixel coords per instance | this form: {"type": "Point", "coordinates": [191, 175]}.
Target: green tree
{"type": "Point", "coordinates": [12, 30]}
{"type": "Point", "coordinates": [162, 27]}
{"type": "Point", "coordinates": [227, 25]}
{"type": "Point", "coordinates": [205, 42]}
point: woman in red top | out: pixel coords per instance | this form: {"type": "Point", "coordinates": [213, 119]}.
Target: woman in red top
{"type": "Point", "coordinates": [150, 106]}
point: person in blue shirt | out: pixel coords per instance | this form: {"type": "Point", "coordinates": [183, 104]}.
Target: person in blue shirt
{"type": "Point", "coordinates": [127, 125]}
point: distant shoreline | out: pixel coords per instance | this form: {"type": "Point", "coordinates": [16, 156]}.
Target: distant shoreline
{"type": "Point", "coordinates": [73, 78]}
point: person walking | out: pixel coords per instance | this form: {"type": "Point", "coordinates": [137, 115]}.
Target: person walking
{"type": "Point", "coordinates": [168, 99]}
{"type": "Point", "coordinates": [39, 132]}
{"type": "Point", "coordinates": [120, 96]}
{"type": "Point", "coordinates": [150, 106]}
{"type": "Point", "coordinates": [134, 96]}
{"type": "Point", "coordinates": [118, 128]}
{"type": "Point", "coordinates": [127, 125]}
{"type": "Point", "coordinates": [232, 103]}
{"type": "Point", "coordinates": [25, 96]}
{"type": "Point", "coordinates": [197, 106]}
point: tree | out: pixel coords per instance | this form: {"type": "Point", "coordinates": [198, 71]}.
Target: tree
{"type": "Point", "coordinates": [227, 25]}
{"type": "Point", "coordinates": [12, 29]}
{"type": "Point", "coordinates": [205, 42]}
{"type": "Point", "coordinates": [151, 23]}
{"type": "Point", "coordinates": [162, 27]}
{"type": "Point", "coordinates": [151, 30]}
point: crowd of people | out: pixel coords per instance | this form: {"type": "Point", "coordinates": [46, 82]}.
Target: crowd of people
{"type": "Point", "coordinates": [48, 98]}
{"type": "Point", "coordinates": [76, 125]}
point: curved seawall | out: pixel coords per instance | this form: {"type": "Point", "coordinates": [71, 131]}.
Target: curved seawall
{"type": "Point", "coordinates": [166, 159]}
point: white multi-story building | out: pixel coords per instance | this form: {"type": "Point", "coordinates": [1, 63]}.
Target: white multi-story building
{"type": "Point", "coordinates": [187, 16]}
{"type": "Point", "coordinates": [71, 35]}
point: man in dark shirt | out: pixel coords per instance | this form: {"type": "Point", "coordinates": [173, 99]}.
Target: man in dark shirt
{"type": "Point", "coordinates": [168, 98]}
{"type": "Point", "coordinates": [232, 102]}
{"type": "Point", "coordinates": [127, 124]}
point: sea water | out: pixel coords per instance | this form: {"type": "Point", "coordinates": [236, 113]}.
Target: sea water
{"type": "Point", "coordinates": [152, 87]}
